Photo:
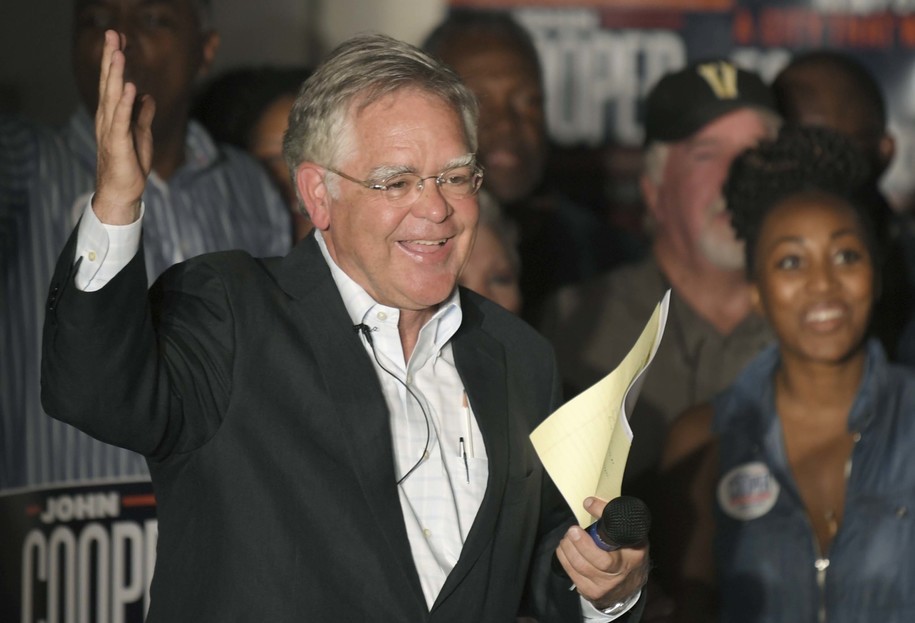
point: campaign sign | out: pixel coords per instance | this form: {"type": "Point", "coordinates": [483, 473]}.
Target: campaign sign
{"type": "Point", "coordinates": [601, 57]}
{"type": "Point", "coordinates": [77, 553]}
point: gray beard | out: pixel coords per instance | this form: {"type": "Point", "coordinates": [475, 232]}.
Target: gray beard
{"type": "Point", "coordinates": [725, 252]}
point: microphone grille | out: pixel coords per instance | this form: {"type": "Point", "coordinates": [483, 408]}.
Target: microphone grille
{"type": "Point", "coordinates": [626, 521]}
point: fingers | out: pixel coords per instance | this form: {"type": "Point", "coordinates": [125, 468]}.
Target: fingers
{"type": "Point", "coordinates": [125, 149]}
{"type": "Point", "coordinates": [595, 506]}
{"type": "Point", "coordinates": [585, 557]}
{"type": "Point", "coordinates": [143, 132]}
{"type": "Point", "coordinates": [111, 77]}
{"type": "Point", "coordinates": [108, 48]}
{"type": "Point", "coordinates": [599, 575]}
{"type": "Point", "coordinates": [116, 97]}
{"type": "Point", "coordinates": [116, 101]}
{"type": "Point", "coordinates": [111, 85]}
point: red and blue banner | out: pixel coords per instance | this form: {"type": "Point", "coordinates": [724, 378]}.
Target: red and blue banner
{"type": "Point", "coordinates": [600, 57]}
{"type": "Point", "coordinates": [79, 553]}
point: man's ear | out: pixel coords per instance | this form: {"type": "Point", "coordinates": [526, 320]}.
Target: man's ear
{"type": "Point", "coordinates": [886, 149]}
{"type": "Point", "coordinates": [208, 51]}
{"type": "Point", "coordinates": [309, 181]}
{"type": "Point", "coordinates": [649, 195]}
{"type": "Point", "coordinates": [755, 300]}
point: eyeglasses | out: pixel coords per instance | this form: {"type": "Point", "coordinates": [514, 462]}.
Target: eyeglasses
{"type": "Point", "coordinates": [403, 189]}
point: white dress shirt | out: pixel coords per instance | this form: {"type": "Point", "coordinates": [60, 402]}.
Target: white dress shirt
{"type": "Point", "coordinates": [441, 497]}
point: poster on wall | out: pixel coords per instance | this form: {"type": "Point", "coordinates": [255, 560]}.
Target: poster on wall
{"type": "Point", "coordinates": [601, 57]}
{"type": "Point", "coordinates": [77, 553]}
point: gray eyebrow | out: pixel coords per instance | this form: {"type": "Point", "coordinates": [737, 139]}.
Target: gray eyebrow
{"type": "Point", "coordinates": [460, 161]}
{"type": "Point", "coordinates": [385, 171]}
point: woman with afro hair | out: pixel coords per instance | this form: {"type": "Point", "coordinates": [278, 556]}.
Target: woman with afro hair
{"type": "Point", "coordinates": [796, 484]}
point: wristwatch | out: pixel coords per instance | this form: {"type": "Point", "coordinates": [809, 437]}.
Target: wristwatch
{"type": "Point", "coordinates": [622, 606]}
{"type": "Point", "coordinates": [617, 608]}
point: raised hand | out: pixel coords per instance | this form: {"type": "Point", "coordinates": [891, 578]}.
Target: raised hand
{"type": "Point", "coordinates": [125, 144]}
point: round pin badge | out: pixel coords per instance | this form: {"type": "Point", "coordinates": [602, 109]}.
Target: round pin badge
{"type": "Point", "coordinates": [748, 491]}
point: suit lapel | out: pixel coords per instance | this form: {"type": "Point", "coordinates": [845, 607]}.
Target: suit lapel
{"type": "Point", "coordinates": [353, 388]}
{"type": "Point", "coordinates": [480, 361]}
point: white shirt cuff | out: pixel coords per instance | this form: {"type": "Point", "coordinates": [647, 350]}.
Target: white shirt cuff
{"type": "Point", "coordinates": [590, 614]}
{"type": "Point", "coordinates": [105, 249]}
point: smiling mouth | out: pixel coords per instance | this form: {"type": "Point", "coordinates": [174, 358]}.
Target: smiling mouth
{"type": "Point", "coordinates": [423, 246]}
{"type": "Point", "coordinates": [824, 315]}
{"type": "Point", "coordinates": [826, 318]}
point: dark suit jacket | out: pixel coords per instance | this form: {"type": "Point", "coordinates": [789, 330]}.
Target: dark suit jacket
{"type": "Point", "coordinates": [268, 440]}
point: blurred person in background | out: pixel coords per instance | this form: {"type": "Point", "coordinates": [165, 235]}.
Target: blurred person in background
{"type": "Point", "coordinates": [831, 89]}
{"type": "Point", "coordinates": [201, 197]}
{"type": "Point", "coordinates": [697, 119]}
{"type": "Point", "coordinates": [494, 266]}
{"type": "Point", "coordinates": [249, 108]}
{"type": "Point", "coordinates": [560, 241]}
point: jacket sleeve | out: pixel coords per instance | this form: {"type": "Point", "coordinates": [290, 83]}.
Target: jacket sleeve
{"type": "Point", "coordinates": [147, 373]}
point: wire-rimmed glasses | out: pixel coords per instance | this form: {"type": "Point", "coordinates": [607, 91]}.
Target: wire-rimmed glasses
{"type": "Point", "coordinates": [403, 189]}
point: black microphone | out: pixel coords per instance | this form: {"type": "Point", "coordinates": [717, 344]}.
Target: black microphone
{"type": "Point", "coordinates": [624, 523]}
{"type": "Point", "coordinates": [365, 330]}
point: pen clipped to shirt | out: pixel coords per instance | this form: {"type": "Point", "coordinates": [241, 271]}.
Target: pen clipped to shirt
{"type": "Point", "coordinates": [465, 448]}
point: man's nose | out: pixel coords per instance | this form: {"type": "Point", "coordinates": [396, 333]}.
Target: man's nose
{"type": "Point", "coordinates": [431, 203]}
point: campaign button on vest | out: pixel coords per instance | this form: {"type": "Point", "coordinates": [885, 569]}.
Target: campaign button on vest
{"type": "Point", "coordinates": [748, 491]}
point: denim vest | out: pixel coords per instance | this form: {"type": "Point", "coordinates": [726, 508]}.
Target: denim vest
{"type": "Point", "coordinates": [769, 566]}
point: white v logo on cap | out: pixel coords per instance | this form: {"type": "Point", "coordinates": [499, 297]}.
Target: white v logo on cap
{"type": "Point", "coordinates": [721, 78]}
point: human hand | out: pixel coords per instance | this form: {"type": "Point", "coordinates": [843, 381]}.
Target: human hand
{"type": "Point", "coordinates": [125, 144]}
{"type": "Point", "coordinates": [603, 578]}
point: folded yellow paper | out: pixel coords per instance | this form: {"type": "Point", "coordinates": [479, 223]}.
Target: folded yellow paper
{"type": "Point", "coordinates": [585, 443]}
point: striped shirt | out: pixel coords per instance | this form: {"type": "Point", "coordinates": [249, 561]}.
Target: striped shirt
{"type": "Point", "coordinates": [219, 199]}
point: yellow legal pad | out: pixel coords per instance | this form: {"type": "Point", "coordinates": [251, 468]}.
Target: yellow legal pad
{"type": "Point", "coordinates": [585, 443]}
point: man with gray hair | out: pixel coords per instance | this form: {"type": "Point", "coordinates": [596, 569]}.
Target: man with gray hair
{"type": "Point", "coordinates": [342, 433]}
{"type": "Point", "coordinates": [697, 120]}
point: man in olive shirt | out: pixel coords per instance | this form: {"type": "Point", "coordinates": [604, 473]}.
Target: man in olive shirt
{"type": "Point", "coordinates": [696, 121]}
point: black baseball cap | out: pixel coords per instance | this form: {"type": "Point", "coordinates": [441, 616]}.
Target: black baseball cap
{"type": "Point", "coordinates": [683, 102]}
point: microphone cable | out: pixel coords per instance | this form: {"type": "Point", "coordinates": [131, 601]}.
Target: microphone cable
{"type": "Point", "coordinates": [366, 332]}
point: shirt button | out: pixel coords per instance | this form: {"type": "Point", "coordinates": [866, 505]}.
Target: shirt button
{"type": "Point", "coordinates": [382, 316]}
{"type": "Point", "coordinates": [427, 532]}
{"type": "Point", "coordinates": [91, 256]}
{"type": "Point", "coordinates": [409, 378]}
